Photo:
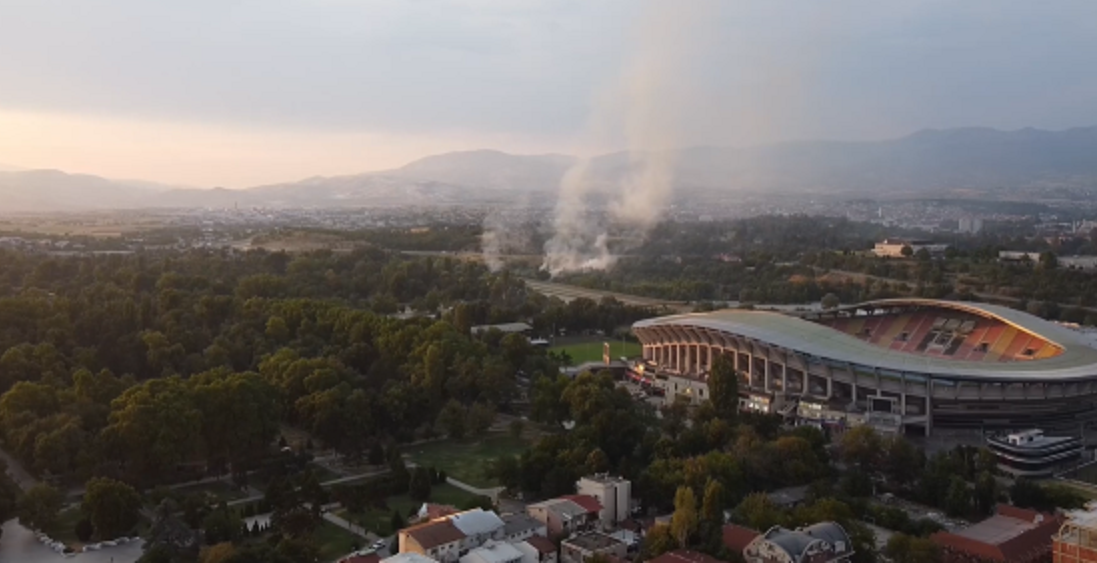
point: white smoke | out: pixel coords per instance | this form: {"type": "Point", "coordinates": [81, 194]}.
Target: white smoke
{"type": "Point", "coordinates": [505, 232]}
{"type": "Point", "coordinates": [644, 105]}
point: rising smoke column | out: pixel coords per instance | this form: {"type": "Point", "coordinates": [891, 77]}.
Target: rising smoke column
{"type": "Point", "coordinates": [644, 105]}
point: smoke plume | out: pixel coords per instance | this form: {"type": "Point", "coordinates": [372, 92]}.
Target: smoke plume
{"type": "Point", "coordinates": [643, 107]}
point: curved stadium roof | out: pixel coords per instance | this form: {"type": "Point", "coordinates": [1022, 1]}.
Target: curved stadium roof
{"type": "Point", "coordinates": [1078, 359]}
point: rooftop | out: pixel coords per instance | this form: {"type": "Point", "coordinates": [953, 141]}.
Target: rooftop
{"type": "Point", "coordinates": [1013, 534]}
{"type": "Point", "coordinates": [519, 523]}
{"type": "Point", "coordinates": [592, 541]}
{"type": "Point", "coordinates": [476, 521]}
{"type": "Point", "coordinates": [493, 553]}
{"type": "Point", "coordinates": [589, 503]}
{"type": "Point", "coordinates": [605, 478]}
{"type": "Point", "coordinates": [433, 534]}
{"type": "Point", "coordinates": [408, 558]}
{"type": "Point", "coordinates": [1078, 359]}
{"type": "Point", "coordinates": [541, 544]}
{"type": "Point", "coordinates": [737, 538]}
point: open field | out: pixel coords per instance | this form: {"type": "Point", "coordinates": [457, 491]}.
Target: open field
{"type": "Point", "coordinates": [465, 460]}
{"type": "Point", "coordinates": [592, 351]}
{"type": "Point", "coordinates": [379, 521]}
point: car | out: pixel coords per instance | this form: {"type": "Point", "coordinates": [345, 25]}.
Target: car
{"type": "Point", "coordinates": [379, 544]}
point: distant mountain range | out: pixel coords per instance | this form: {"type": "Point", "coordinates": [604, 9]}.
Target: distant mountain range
{"type": "Point", "coordinates": [930, 160]}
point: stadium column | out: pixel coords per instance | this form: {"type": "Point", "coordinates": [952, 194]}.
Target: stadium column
{"type": "Point", "coordinates": [929, 406]}
{"type": "Point", "coordinates": [784, 378]}
{"type": "Point", "coordinates": [765, 375]}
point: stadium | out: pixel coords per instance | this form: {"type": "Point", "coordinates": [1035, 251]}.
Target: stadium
{"type": "Point", "coordinates": [908, 365]}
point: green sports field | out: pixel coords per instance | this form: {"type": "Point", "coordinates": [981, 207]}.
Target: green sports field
{"type": "Point", "coordinates": [592, 351]}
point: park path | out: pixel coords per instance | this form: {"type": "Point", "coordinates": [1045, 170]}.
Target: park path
{"type": "Point", "coordinates": [17, 472]}
{"type": "Point", "coordinates": [492, 493]}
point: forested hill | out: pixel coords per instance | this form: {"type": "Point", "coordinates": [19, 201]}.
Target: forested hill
{"type": "Point", "coordinates": [132, 367]}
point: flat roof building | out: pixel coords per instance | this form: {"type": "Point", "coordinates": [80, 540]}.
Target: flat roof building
{"type": "Point", "coordinates": [1032, 454]}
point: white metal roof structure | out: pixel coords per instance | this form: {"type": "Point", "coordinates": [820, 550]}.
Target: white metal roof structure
{"type": "Point", "coordinates": [1078, 359]}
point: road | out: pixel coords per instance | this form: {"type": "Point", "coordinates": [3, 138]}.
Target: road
{"type": "Point", "coordinates": [17, 472]}
{"type": "Point", "coordinates": [571, 292]}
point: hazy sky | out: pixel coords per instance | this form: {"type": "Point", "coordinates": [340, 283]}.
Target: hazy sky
{"type": "Point", "coordinates": [236, 93]}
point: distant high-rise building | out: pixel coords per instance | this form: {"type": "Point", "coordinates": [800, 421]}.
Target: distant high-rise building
{"type": "Point", "coordinates": [971, 225]}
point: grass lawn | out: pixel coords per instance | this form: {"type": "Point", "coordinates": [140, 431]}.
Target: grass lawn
{"type": "Point", "coordinates": [592, 351]}
{"type": "Point", "coordinates": [465, 460]}
{"type": "Point", "coordinates": [223, 490]}
{"type": "Point", "coordinates": [379, 521]}
{"type": "Point", "coordinates": [64, 530]}
{"type": "Point", "coordinates": [334, 541]}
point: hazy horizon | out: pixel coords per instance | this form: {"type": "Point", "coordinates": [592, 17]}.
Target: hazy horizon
{"type": "Point", "coordinates": [235, 95]}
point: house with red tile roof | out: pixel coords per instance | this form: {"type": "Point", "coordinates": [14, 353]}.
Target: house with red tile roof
{"type": "Point", "coordinates": [736, 538]}
{"type": "Point", "coordinates": [1012, 535]}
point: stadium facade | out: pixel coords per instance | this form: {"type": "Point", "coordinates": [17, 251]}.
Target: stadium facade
{"type": "Point", "coordinates": [904, 364]}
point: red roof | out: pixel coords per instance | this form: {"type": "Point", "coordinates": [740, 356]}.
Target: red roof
{"type": "Point", "coordinates": [737, 538]}
{"type": "Point", "coordinates": [1028, 545]}
{"type": "Point", "coordinates": [541, 544]}
{"type": "Point", "coordinates": [684, 556]}
{"type": "Point", "coordinates": [587, 502]}
{"type": "Point", "coordinates": [440, 510]}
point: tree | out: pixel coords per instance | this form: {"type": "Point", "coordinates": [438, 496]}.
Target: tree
{"type": "Point", "coordinates": [907, 251]}
{"type": "Point", "coordinates": [111, 506]}
{"type": "Point", "coordinates": [758, 511]}
{"type": "Point", "coordinates": [902, 548]}
{"type": "Point", "coordinates": [396, 522]}
{"type": "Point", "coordinates": [420, 484]}
{"type": "Point", "coordinates": [723, 386]}
{"type": "Point", "coordinates": [220, 553]}
{"type": "Point", "coordinates": [169, 538]}
{"type": "Point", "coordinates": [39, 507]}
{"type": "Point", "coordinates": [83, 529]}
{"type": "Point", "coordinates": [830, 301]}
{"type": "Point", "coordinates": [712, 508]}
{"type": "Point", "coordinates": [516, 427]}
{"type": "Point", "coordinates": [597, 462]}
{"type": "Point", "coordinates": [861, 446]}
{"type": "Point", "coordinates": [658, 541]}
{"type": "Point", "coordinates": [451, 419]}
{"type": "Point", "coordinates": [958, 499]}
{"type": "Point", "coordinates": [480, 417]}
{"type": "Point", "coordinates": [1048, 260]}
{"type": "Point", "coordinates": [684, 521]}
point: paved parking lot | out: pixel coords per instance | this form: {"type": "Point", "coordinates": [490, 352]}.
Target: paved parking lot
{"type": "Point", "coordinates": [20, 545]}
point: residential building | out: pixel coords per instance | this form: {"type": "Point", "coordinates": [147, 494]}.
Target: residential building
{"type": "Point", "coordinates": [434, 511]}
{"type": "Point", "coordinates": [893, 248]}
{"type": "Point", "coordinates": [519, 527]}
{"type": "Point", "coordinates": [736, 538]}
{"type": "Point", "coordinates": [1032, 454]}
{"type": "Point", "coordinates": [437, 539]}
{"type": "Point", "coordinates": [409, 558]}
{"type": "Point", "coordinates": [537, 549]}
{"type": "Point", "coordinates": [684, 556]}
{"type": "Point", "coordinates": [563, 516]}
{"type": "Point", "coordinates": [1076, 541]}
{"type": "Point", "coordinates": [825, 542]}
{"type": "Point", "coordinates": [613, 493]}
{"type": "Point", "coordinates": [478, 526]}
{"type": "Point", "coordinates": [789, 497]}
{"type": "Point", "coordinates": [1012, 535]}
{"type": "Point", "coordinates": [579, 548]}
{"type": "Point", "coordinates": [493, 552]}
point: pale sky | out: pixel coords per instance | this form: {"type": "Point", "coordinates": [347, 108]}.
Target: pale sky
{"type": "Point", "coordinates": [238, 93]}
